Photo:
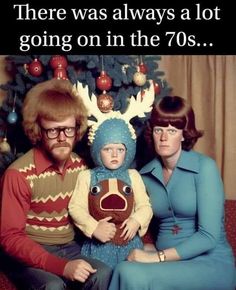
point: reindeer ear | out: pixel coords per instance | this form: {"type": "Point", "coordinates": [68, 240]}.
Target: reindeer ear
{"type": "Point", "coordinates": [139, 106]}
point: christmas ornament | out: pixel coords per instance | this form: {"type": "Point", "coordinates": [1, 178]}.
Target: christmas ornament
{"type": "Point", "coordinates": [4, 146]}
{"type": "Point", "coordinates": [157, 88]}
{"type": "Point", "coordinates": [103, 82]}
{"type": "Point", "coordinates": [58, 61]}
{"type": "Point", "coordinates": [12, 117]}
{"type": "Point", "coordinates": [105, 102]}
{"type": "Point", "coordinates": [139, 78]}
{"type": "Point", "coordinates": [60, 73]}
{"type": "Point", "coordinates": [59, 64]}
{"type": "Point", "coordinates": [35, 68]}
{"type": "Point", "coordinates": [143, 68]}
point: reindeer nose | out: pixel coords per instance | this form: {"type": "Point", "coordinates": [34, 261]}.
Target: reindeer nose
{"type": "Point", "coordinates": [113, 199]}
{"type": "Point", "coordinates": [113, 202]}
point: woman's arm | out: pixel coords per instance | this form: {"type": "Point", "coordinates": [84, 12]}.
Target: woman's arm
{"type": "Point", "coordinates": [151, 255]}
{"type": "Point", "coordinates": [210, 211]}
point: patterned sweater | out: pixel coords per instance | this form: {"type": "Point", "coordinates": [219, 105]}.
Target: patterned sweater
{"type": "Point", "coordinates": [35, 197]}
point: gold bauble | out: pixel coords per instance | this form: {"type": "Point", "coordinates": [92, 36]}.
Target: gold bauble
{"type": "Point", "coordinates": [4, 146]}
{"type": "Point", "coordinates": [139, 79]}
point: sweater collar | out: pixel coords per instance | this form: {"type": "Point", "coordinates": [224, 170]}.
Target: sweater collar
{"type": "Point", "coordinates": [43, 162]}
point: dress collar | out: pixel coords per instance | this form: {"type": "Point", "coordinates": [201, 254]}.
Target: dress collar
{"type": "Point", "coordinates": [188, 160]}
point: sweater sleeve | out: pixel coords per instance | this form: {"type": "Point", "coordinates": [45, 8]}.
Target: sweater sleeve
{"type": "Point", "coordinates": [142, 207]}
{"type": "Point", "coordinates": [78, 205]}
{"type": "Point", "coordinates": [210, 211]}
{"type": "Point", "coordinates": [15, 203]}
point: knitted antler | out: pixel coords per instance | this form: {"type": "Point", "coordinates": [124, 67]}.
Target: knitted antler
{"type": "Point", "coordinates": [90, 104]}
{"type": "Point", "coordinates": [139, 106]}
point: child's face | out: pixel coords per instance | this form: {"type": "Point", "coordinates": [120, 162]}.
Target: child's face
{"type": "Point", "coordinates": [113, 155]}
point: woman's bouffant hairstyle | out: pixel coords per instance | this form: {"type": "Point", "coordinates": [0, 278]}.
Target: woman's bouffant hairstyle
{"type": "Point", "coordinates": [174, 111]}
{"type": "Point", "coordinates": [53, 100]}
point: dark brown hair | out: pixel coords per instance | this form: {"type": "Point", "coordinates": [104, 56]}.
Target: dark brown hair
{"type": "Point", "coordinates": [174, 111]}
{"type": "Point", "coordinates": [53, 100]}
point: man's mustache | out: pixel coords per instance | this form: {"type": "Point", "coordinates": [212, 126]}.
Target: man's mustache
{"type": "Point", "coordinates": [63, 144]}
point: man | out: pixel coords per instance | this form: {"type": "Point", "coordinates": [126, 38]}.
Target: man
{"type": "Point", "coordinates": [36, 231]}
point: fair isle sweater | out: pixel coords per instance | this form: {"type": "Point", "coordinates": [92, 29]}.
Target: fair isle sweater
{"type": "Point", "coordinates": [35, 197]}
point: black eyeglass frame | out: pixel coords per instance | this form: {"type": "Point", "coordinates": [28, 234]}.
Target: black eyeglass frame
{"type": "Point", "coordinates": [59, 130]}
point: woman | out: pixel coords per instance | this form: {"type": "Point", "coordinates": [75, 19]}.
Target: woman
{"type": "Point", "coordinates": [186, 191]}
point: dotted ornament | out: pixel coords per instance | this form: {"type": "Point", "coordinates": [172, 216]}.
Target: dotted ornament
{"type": "Point", "coordinates": [105, 102]}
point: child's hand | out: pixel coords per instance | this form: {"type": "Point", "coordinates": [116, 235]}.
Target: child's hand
{"type": "Point", "coordinates": [130, 227]}
{"type": "Point", "coordinates": [105, 230]}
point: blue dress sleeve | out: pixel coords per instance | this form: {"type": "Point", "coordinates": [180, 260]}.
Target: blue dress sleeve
{"type": "Point", "coordinates": [210, 211]}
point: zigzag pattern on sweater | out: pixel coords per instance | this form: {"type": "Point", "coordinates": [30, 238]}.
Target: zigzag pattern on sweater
{"type": "Point", "coordinates": [52, 198]}
{"type": "Point", "coordinates": [51, 229]}
{"type": "Point", "coordinates": [41, 218]}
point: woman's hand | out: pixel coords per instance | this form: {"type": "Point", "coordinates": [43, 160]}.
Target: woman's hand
{"type": "Point", "coordinates": [130, 227]}
{"type": "Point", "coordinates": [138, 255]}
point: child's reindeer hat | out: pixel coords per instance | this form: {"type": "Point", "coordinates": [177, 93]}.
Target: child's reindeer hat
{"type": "Point", "coordinates": [114, 127]}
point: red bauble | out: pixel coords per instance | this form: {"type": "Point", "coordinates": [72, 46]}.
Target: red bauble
{"type": "Point", "coordinates": [58, 61]}
{"type": "Point", "coordinates": [157, 88]}
{"type": "Point", "coordinates": [143, 68]}
{"type": "Point", "coordinates": [105, 102]}
{"type": "Point", "coordinates": [35, 68]}
{"type": "Point", "coordinates": [103, 82]}
{"type": "Point", "coordinates": [60, 74]}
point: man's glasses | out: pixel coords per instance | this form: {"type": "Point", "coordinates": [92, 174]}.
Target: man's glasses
{"type": "Point", "coordinates": [53, 133]}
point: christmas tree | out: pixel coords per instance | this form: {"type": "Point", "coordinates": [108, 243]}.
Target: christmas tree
{"type": "Point", "coordinates": [112, 78]}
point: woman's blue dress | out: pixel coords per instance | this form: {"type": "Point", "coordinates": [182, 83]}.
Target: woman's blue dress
{"type": "Point", "coordinates": [190, 213]}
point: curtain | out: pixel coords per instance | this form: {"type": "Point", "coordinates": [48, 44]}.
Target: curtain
{"type": "Point", "coordinates": [208, 82]}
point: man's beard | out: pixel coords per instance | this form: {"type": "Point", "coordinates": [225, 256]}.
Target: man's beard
{"type": "Point", "coordinates": [60, 151]}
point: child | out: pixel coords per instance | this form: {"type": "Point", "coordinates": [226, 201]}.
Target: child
{"type": "Point", "coordinates": [110, 204]}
